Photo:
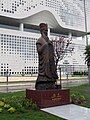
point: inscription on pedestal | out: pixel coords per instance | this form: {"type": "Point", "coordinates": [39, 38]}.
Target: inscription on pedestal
{"type": "Point", "coordinates": [56, 97]}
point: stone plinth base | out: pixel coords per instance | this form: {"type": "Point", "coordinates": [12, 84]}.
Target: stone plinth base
{"type": "Point", "coordinates": [49, 98]}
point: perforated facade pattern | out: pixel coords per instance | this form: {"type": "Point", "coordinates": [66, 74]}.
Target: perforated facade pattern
{"type": "Point", "coordinates": [18, 54]}
{"type": "Point", "coordinates": [70, 12]}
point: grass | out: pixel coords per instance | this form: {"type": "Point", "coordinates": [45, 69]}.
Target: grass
{"type": "Point", "coordinates": [40, 115]}
{"type": "Point", "coordinates": [28, 115]}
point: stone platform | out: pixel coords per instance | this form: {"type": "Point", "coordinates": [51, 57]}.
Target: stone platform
{"type": "Point", "coordinates": [69, 112]}
{"type": "Point", "coordinates": [49, 98]}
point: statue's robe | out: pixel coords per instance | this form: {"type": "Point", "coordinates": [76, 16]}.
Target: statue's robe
{"type": "Point", "coordinates": [47, 68]}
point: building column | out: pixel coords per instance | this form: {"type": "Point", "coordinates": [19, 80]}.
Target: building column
{"type": "Point", "coordinates": [85, 16]}
{"type": "Point", "coordinates": [70, 35]}
{"type": "Point", "coordinates": [48, 32]}
{"type": "Point", "coordinates": [21, 27]}
{"type": "Point", "coordinates": [84, 39]}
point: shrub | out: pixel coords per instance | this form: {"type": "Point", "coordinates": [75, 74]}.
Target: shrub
{"type": "Point", "coordinates": [1, 103]}
{"type": "Point", "coordinates": [77, 98]}
{"type": "Point", "coordinates": [20, 104]}
{"type": "Point", "coordinates": [11, 110]}
{"type": "Point", "coordinates": [1, 109]}
{"type": "Point", "coordinates": [6, 106]}
{"type": "Point", "coordinates": [80, 73]}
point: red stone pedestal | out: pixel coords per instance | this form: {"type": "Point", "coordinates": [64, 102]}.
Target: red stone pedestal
{"type": "Point", "coordinates": [49, 98]}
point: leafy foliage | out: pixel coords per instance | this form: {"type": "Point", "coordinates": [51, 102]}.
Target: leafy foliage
{"type": "Point", "coordinates": [1, 103]}
{"type": "Point", "coordinates": [11, 110]}
{"type": "Point", "coordinates": [20, 104]}
{"type": "Point", "coordinates": [28, 114]}
{"type": "Point", "coordinates": [1, 109]}
{"type": "Point", "coordinates": [77, 98]}
{"type": "Point", "coordinates": [80, 73]}
{"type": "Point", "coordinates": [87, 53]}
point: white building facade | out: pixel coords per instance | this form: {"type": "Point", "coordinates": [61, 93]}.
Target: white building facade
{"type": "Point", "coordinates": [19, 31]}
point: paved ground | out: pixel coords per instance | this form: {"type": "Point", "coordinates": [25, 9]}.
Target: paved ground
{"type": "Point", "coordinates": [13, 79]}
{"type": "Point", "coordinates": [33, 78]}
{"type": "Point", "coordinates": [69, 112]}
{"type": "Point", "coordinates": [23, 83]}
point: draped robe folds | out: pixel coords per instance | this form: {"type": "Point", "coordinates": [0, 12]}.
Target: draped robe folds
{"type": "Point", "coordinates": [47, 67]}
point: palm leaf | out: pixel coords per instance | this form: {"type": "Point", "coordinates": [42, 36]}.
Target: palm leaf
{"type": "Point", "coordinates": [87, 53]}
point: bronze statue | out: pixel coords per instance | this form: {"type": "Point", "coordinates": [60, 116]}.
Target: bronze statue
{"type": "Point", "coordinates": [47, 69]}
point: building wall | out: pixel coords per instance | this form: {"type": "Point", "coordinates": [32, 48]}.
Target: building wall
{"type": "Point", "coordinates": [18, 52]}
{"type": "Point", "coordinates": [88, 14]}
{"type": "Point", "coordinates": [68, 13]}
{"type": "Point", "coordinates": [18, 48]}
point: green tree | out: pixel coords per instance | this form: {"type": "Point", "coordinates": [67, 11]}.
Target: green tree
{"type": "Point", "coordinates": [87, 59]}
{"type": "Point", "coordinates": [87, 53]}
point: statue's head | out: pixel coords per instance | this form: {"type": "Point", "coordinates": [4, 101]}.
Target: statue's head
{"type": "Point", "coordinates": [43, 28]}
